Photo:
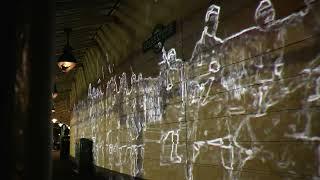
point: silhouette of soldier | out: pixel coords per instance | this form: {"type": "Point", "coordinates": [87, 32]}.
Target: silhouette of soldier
{"type": "Point", "coordinates": [265, 16]}
{"type": "Point", "coordinates": [208, 38]}
{"type": "Point", "coordinates": [171, 68]}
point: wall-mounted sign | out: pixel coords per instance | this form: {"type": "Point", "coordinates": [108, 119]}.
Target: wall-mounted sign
{"type": "Point", "coordinates": [159, 35]}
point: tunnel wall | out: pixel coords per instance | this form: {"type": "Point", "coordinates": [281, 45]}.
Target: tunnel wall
{"type": "Point", "coordinates": [239, 104]}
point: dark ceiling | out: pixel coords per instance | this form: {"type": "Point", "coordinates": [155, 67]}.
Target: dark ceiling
{"type": "Point", "coordinates": [107, 32]}
{"type": "Point", "coordinates": [84, 17]}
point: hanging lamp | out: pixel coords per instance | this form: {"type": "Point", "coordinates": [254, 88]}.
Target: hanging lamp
{"type": "Point", "coordinates": [67, 61]}
{"type": "Point", "coordinates": [55, 92]}
{"type": "Point", "coordinates": [53, 108]}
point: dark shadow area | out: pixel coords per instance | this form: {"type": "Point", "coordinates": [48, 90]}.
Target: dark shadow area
{"type": "Point", "coordinates": [81, 167]}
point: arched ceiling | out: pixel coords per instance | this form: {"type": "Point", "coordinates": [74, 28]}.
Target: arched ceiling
{"type": "Point", "coordinates": [107, 32]}
{"type": "Point", "coordinates": [84, 18]}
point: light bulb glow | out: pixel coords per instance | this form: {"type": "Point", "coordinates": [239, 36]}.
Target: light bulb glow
{"type": "Point", "coordinates": [66, 66]}
{"type": "Point", "coordinates": [54, 120]}
{"type": "Point", "coordinates": [54, 95]}
{"type": "Point", "coordinates": [60, 124]}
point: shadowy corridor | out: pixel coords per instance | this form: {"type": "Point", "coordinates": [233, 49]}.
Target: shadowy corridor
{"type": "Point", "coordinates": [64, 169]}
{"type": "Point", "coordinates": [110, 89]}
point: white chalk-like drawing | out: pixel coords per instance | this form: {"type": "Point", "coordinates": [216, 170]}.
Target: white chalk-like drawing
{"type": "Point", "coordinates": [219, 107]}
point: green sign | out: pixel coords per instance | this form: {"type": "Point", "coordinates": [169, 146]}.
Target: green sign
{"type": "Point", "coordinates": [159, 35]}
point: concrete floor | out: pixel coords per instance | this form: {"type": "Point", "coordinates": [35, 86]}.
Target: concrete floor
{"type": "Point", "coordinates": [63, 170]}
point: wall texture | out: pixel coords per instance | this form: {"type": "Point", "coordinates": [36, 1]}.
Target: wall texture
{"type": "Point", "coordinates": [243, 105]}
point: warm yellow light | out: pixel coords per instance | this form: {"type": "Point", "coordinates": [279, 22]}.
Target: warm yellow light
{"type": "Point", "coordinates": [60, 124]}
{"type": "Point", "coordinates": [54, 120]}
{"type": "Point", "coordinates": [54, 95]}
{"type": "Point", "coordinates": [66, 66]}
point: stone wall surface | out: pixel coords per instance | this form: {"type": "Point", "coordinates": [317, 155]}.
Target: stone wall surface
{"type": "Point", "coordinates": [244, 105]}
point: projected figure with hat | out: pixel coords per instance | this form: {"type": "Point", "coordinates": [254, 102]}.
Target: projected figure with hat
{"type": "Point", "coordinates": [208, 38]}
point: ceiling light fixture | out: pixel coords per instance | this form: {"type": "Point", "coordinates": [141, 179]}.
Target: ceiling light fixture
{"type": "Point", "coordinates": [55, 92]}
{"type": "Point", "coordinates": [54, 120]}
{"type": "Point", "coordinates": [67, 61]}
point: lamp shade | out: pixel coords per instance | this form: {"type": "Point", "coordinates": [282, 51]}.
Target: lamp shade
{"type": "Point", "coordinates": [67, 61]}
{"type": "Point", "coordinates": [53, 109]}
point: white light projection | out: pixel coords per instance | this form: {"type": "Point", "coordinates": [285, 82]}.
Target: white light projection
{"type": "Point", "coordinates": [172, 137]}
{"type": "Point", "coordinates": [222, 107]}
{"type": "Point", "coordinates": [268, 69]}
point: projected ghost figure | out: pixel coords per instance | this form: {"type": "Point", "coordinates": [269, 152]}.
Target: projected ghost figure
{"type": "Point", "coordinates": [208, 38]}
{"type": "Point", "coordinates": [171, 70]}
{"type": "Point", "coordinates": [204, 55]}
{"type": "Point", "coordinates": [212, 20]}
{"type": "Point", "coordinates": [169, 147]}
{"type": "Point", "coordinates": [265, 14]}
{"type": "Point", "coordinates": [270, 67]}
